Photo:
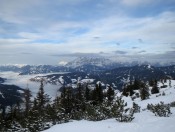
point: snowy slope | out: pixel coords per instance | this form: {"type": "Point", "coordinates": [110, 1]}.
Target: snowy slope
{"type": "Point", "coordinates": [145, 121]}
{"type": "Point", "coordinates": [155, 98]}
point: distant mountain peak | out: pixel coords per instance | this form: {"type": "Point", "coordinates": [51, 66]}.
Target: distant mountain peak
{"type": "Point", "coordinates": [96, 61]}
{"type": "Point", "coordinates": [62, 63]}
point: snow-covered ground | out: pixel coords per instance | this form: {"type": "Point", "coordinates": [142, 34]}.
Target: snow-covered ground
{"type": "Point", "coordinates": [145, 121]}
{"type": "Point", "coordinates": [24, 82]}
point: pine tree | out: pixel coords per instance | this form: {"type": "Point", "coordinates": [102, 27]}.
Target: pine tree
{"type": "Point", "coordinates": [136, 107]}
{"type": "Point", "coordinates": [59, 110]}
{"type": "Point", "coordinates": [50, 114]}
{"type": "Point", "coordinates": [125, 91]}
{"type": "Point", "coordinates": [94, 95]}
{"type": "Point", "coordinates": [136, 85]}
{"type": "Point", "coordinates": [27, 100]}
{"type": "Point", "coordinates": [110, 94]}
{"type": "Point", "coordinates": [144, 91]}
{"type": "Point", "coordinates": [119, 111]}
{"type": "Point", "coordinates": [87, 93]}
{"type": "Point", "coordinates": [36, 119]}
{"type": "Point", "coordinates": [130, 89]}
{"type": "Point", "coordinates": [79, 94]}
{"type": "Point", "coordinates": [100, 93]}
{"type": "Point", "coordinates": [66, 99]}
{"type": "Point", "coordinates": [155, 88]}
{"type": "Point", "coordinates": [97, 94]}
{"type": "Point", "coordinates": [42, 99]}
{"type": "Point", "coordinates": [151, 82]}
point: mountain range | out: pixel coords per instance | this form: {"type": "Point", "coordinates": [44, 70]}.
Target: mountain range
{"type": "Point", "coordinates": [85, 70]}
{"type": "Point", "coordinates": [96, 69]}
{"type": "Point", "coordinates": [82, 64]}
{"type": "Point", "coordinates": [116, 77]}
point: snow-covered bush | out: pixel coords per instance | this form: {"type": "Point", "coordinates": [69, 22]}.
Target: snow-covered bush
{"type": "Point", "coordinates": [136, 108]}
{"type": "Point", "coordinates": [126, 115]}
{"type": "Point", "coordinates": [93, 113]}
{"type": "Point", "coordinates": [121, 113]}
{"type": "Point", "coordinates": [172, 104]}
{"type": "Point", "coordinates": [162, 110]}
{"type": "Point", "coordinates": [16, 127]}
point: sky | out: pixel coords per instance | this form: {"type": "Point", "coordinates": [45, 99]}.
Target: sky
{"type": "Point", "coordinates": [53, 31]}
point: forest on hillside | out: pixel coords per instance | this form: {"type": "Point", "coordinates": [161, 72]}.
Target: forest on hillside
{"type": "Point", "coordinates": [83, 102]}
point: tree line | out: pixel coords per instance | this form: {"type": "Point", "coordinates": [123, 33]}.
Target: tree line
{"type": "Point", "coordinates": [83, 102]}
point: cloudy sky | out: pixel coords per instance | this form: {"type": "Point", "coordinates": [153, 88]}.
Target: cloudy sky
{"type": "Point", "coordinates": [49, 31]}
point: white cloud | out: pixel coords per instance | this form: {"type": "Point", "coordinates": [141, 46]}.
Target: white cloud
{"type": "Point", "coordinates": [27, 35]}
{"type": "Point", "coordinates": [154, 31]}
{"type": "Point", "coordinates": [40, 29]}
{"type": "Point", "coordinates": [6, 42]}
{"type": "Point", "coordinates": [137, 2]}
{"type": "Point", "coordinates": [28, 11]}
{"type": "Point", "coordinates": [10, 11]}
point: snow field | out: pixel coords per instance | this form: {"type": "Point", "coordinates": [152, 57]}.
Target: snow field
{"type": "Point", "coordinates": [143, 122]}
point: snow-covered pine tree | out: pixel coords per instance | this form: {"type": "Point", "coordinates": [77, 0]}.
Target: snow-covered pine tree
{"type": "Point", "coordinates": [110, 94]}
{"type": "Point", "coordinates": [66, 102]}
{"type": "Point", "coordinates": [97, 94]}
{"type": "Point", "coordinates": [87, 93]}
{"type": "Point", "coordinates": [155, 88]}
{"type": "Point", "coordinates": [120, 112]}
{"type": "Point", "coordinates": [136, 108]}
{"type": "Point", "coordinates": [27, 100]}
{"type": "Point", "coordinates": [42, 98]}
{"type": "Point", "coordinates": [15, 127]}
{"type": "Point", "coordinates": [144, 91]}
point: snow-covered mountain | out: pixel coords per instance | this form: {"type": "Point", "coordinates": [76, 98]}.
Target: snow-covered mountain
{"type": "Point", "coordinates": [95, 64]}
{"type": "Point", "coordinates": [95, 61]}
{"type": "Point", "coordinates": [91, 65]}
{"type": "Point", "coordinates": [169, 70]}
{"type": "Point", "coordinates": [81, 64]}
{"type": "Point", "coordinates": [40, 69]}
{"type": "Point", "coordinates": [139, 72]}
{"type": "Point", "coordinates": [33, 69]}
{"type": "Point", "coordinates": [114, 77]}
